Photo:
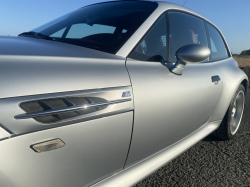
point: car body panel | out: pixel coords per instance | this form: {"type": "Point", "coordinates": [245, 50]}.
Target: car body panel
{"type": "Point", "coordinates": [131, 175]}
{"type": "Point", "coordinates": [169, 107]}
{"type": "Point", "coordinates": [75, 164]}
{"type": "Point", "coordinates": [10, 108]}
{"type": "Point", "coordinates": [36, 69]}
{"type": "Point", "coordinates": [77, 68]}
{"type": "Point", "coordinates": [4, 134]}
{"type": "Point", "coordinates": [232, 77]}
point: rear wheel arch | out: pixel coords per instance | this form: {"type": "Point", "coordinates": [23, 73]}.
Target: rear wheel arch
{"type": "Point", "coordinates": [245, 84]}
{"type": "Point", "coordinates": [224, 132]}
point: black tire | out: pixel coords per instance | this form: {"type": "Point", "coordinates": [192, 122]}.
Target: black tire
{"type": "Point", "coordinates": [224, 132]}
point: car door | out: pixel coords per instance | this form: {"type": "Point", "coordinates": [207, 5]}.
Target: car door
{"type": "Point", "coordinates": [169, 107]}
{"type": "Point", "coordinates": [220, 58]}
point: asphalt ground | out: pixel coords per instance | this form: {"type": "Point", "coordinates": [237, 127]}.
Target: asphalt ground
{"type": "Point", "coordinates": [210, 162]}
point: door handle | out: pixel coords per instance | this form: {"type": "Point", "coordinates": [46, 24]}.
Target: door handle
{"type": "Point", "coordinates": [216, 79]}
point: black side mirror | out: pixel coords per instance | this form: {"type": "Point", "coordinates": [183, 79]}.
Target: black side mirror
{"type": "Point", "coordinates": [189, 54]}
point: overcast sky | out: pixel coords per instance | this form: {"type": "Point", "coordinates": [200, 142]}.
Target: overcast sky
{"type": "Point", "coordinates": [231, 16]}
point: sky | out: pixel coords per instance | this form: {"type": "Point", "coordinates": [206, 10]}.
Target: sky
{"type": "Point", "coordinates": [232, 17]}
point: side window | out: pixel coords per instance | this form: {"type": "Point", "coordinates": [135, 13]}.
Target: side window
{"type": "Point", "coordinates": [185, 29]}
{"type": "Point", "coordinates": [153, 47]}
{"type": "Point", "coordinates": [217, 46]}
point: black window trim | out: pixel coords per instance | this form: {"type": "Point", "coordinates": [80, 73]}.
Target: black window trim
{"type": "Point", "coordinates": [207, 34]}
{"type": "Point", "coordinates": [122, 44]}
{"type": "Point", "coordinates": [167, 37]}
{"type": "Point", "coordinates": [168, 29]}
{"type": "Point", "coordinates": [191, 14]}
{"type": "Point", "coordinates": [223, 39]}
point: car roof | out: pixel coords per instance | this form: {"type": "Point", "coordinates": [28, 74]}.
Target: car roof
{"type": "Point", "coordinates": [163, 6]}
{"type": "Point", "coordinates": [161, 9]}
{"type": "Point", "coordinates": [167, 5]}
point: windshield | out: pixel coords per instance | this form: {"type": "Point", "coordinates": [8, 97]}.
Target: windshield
{"type": "Point", "coordinates": [104, 26]}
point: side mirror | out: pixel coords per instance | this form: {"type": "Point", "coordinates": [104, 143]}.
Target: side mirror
{"type": "Point", "coordinates": [189, 54]}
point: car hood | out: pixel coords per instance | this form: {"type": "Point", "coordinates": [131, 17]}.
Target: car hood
{"type": "Point", "coordinates": [40, 47]}
{"type": "Point", "coordinates": [30, 66]}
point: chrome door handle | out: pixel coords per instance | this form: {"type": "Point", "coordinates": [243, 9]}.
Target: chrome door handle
{"type": "Point", "coordinates": [216, 79]}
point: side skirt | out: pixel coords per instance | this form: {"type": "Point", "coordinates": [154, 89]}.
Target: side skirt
{"type": "Point", "coordinates": [137, 172]}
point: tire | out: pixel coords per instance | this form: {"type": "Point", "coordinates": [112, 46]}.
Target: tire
{"type": "Point", "coordinates": [232, 119]}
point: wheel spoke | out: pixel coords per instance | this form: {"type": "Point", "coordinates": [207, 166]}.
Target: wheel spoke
{"type": "Point", "coordinates": [236, 112]}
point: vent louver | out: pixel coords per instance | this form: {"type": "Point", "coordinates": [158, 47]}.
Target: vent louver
{"type": "Point", "coordinates": [62, 103]}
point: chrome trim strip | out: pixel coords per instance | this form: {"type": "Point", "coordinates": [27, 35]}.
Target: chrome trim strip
{"type": "Point", "coordinates": [68, 109]}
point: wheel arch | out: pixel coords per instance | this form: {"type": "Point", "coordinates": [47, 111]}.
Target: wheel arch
{"type": "Point", "coordinates": [232, 77]}
{"type": "Point", "coordinates": [245, 83]}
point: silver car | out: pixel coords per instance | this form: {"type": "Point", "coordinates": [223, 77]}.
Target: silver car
{"type": "Point", "coordinates": [109, 93]}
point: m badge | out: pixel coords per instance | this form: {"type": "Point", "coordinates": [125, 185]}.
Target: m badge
{"type": "Point", "coordinates": [126, 94]}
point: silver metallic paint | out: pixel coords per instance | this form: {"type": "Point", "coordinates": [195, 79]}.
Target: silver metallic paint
{"type": "Point", "coordinates": [77, 164]}
{"type": "Point", "coordinates": [10, 107]}
{"type": "Point", "coordinates": [237, 112]}
{"type": "Point", "coordinates": [4, 133]}
{"type": "Point", "coordinates": [32, 66]}
{"type": "Point", "coordinates": [131, 175]}
{"type": "Point", "coordinates": [178, 104]}
{"type": "Point", "coordinates": [189, 54]}
{"type": "Point", "coordinates": [232, 77]}
{"type": "Point", "coordinates": [193, 53]}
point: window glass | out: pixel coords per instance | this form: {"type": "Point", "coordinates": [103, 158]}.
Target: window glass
{"type": "Point", "coordinates": [213, 47]}
{"type": "Point", "coordinates": [153, 47]}
{"type": "Point", "coordinates": [103, 26]}
{"type": "Point", "coordinates": [51, 23]}
{"type": "Point", "coordinates": [185, 29]}
{"type": "Point", "coordinates": [218, 49]}
{"type": "Point", "coordinates": [82, 30]}
{"type": "Point", "coordinates": [58, 34]}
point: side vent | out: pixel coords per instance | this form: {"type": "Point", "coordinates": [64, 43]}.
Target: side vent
{"type": "Point", "coordinates": [57, 109]}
